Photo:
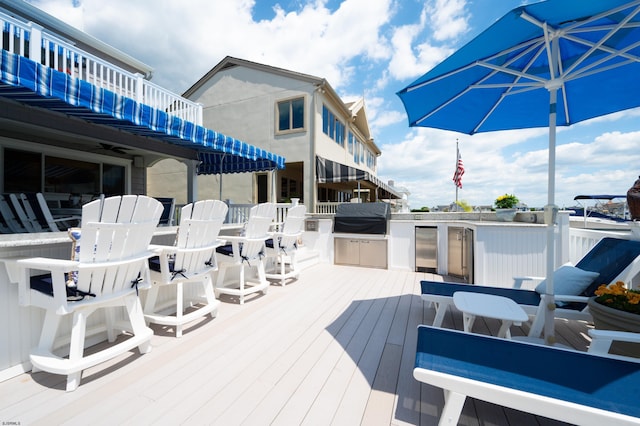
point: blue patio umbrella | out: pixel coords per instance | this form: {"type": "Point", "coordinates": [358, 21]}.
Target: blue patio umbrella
{"type": "Point", "coordinates": [552, 63]}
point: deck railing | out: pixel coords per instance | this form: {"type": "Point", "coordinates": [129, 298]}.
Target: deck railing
{"type": "Point", "coordinates": [325, 207]}
{"type": "Point", "coordinates": [32, 41]}
{"type": "Point", "coordinates": [239, 213]}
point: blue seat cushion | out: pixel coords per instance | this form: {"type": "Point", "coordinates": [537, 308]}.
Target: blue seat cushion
{"type": "Point", "coordinates": [226, 249]}
{"type": "Point", "coordinates": [593, 381]}
{"type": "Point", "coordinates": [521, 297]}
{"type": "Point", "coordinates": [44, 284]}
{"type": "Point", "coordinates": [154, 264]}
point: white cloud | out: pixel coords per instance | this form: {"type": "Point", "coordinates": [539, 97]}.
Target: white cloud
{"type": "Point", "coordinates": [64, 10]}
{"type": "Point", "coordinates": [420, 46]}
{"type": "Point", "coordinates": [449, 19]}
{"type": "Point", "coordinates": [182, 41]}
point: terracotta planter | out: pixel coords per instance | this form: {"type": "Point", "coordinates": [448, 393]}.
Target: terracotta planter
{"type": "Point", "coordinates": [606, 318]}
{"type": "Point", "coordinates": [506, 215]}
{"type": "Point", "coordinates": [633, 200]}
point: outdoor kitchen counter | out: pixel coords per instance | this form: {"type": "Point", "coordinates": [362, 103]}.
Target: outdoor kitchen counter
{"type": "Point", "coordinates": [43, 239]}
{"type": "Point", "coordinates": [501, 250]}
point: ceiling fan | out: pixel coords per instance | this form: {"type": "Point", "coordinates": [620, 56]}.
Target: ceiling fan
{"type": "Point", "coordinates": [114, 148]}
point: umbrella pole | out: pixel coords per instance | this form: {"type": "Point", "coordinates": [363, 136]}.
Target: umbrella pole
{"type": "Point", "coordinates": [550, 219]}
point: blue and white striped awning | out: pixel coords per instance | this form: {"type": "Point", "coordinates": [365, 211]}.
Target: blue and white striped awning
{"type": "Point", "coordinates": [328, 171]}
{"type": "Point", "coordinates": [28, 82]}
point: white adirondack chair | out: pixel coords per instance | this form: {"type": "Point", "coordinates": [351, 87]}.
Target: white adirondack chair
{"type": "Point", "coordinates": [282, 247]}
{"type": "Point", "coordinates": [114, 250]}
{"type": "Point", "coordinates": [41, 208]}
{"type": "Point", "coordinates": [24, 213]}
{"type": "Point", "coordinates": [10, 224]}
{"type": "Point", "coordinates": [191, 260]}
{"type": "Point", "coordinates": [247, 250]}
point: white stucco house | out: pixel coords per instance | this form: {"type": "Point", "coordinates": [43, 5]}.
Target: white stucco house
{"type": "Point", "coordinates": [330, 153]}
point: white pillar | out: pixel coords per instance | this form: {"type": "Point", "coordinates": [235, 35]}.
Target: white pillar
{"type": "Point", "coordinates": [192, 180]}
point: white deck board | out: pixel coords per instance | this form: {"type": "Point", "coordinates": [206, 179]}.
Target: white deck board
{"type": "Point", "coordinates": [335, 347]}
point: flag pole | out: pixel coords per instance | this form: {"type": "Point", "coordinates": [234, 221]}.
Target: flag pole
{"type": "Point", "coordinates": [457, 176]}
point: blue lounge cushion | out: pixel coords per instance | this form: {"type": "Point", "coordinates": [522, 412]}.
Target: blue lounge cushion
{"type": "Point", "coordinates": [609, 258]}
{"type": "Point", "coordinates": [594, 381]}
{"type": "Point", "coordinates": [521, 297]}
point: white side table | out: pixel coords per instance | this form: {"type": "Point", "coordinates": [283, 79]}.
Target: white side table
{"type": "Point", "coordinates": [490, 306]}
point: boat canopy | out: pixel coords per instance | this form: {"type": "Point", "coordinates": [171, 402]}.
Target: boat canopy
{"type": "Point", "coordinates": [598, 197]}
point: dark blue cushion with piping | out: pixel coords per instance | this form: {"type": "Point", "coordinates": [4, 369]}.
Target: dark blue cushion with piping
{"type": "Point", "coordinates": [226, 249]}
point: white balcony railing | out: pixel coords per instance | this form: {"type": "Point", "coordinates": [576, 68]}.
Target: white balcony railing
{"type": "Point", "coordinates": [31, 41]}
{"type": "Point", "coordinates": [239, 213]}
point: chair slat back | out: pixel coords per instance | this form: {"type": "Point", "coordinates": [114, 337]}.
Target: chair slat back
{"type": "Point", "coordinates": [115, 241]}
{"type": "Point", "coordinates": [200, 225]}
{"type": "Point", "coordinates": [41, 211]}
{"type": "Point", "coordinates": [256, 231]}
{"type": "Point", "coordinates": [9, 218]}
{"type": "Point", "coordinates": [32, 209]}
{"type": "Point", "coordinates": [24, 213]}
{"type": "Point", "coordinates": [295, 220]}
{"type": "Point", "coordinates": [292, 228]}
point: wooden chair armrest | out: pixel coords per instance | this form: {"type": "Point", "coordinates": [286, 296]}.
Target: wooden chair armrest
{"type": "Point", "coordinates": [57, 268]}
{"type": "Point", "coordinates": [47, 264]}
{"type": "Point", "coordinates": [162, 250]}
{"type": "Point", "coordinates": [234, 238]}
{"type": "Point", "coordinates": [517, 281]}
{"type": "Point", "coordinates": [571, 298]}
{"type": "Point", "coordinates": [602, 340]}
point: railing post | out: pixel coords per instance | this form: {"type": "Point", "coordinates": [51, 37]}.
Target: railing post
{"type": "Point", "coordinates": [563, 247]}
{"type": "Point", "coordinates": [35, 42]}
{"type": "Point", "coordinates": [139, 89]}
{"type": "Point", "coordinates": [199, 114]}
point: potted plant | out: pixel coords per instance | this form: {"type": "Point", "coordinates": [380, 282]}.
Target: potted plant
{"type": "Point", "coordinates": [616, 307]}
{"type": "Point", "coordinates": [505, 207]}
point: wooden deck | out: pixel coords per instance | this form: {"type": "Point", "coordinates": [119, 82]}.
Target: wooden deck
{"type": "Point", "coordinates": [335, 347]}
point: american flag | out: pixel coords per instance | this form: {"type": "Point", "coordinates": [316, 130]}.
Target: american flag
{"type": "Point", "coordinates": [457, 176]}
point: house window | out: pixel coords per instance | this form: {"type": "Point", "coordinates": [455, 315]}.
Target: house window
{"type": "Point", "coordinates": [371, 160]}
{"type": "Point", "coordinates": [113, 178]}
{"type": "Point", "coordinates": [290, 115]}
{"type": "Point", "coordinates": [23, 172]}
{"type": "Point", "coordinates": [332, 127]}
{"type": "Point", "coordinates": [358, 154]}
{"type": "Point", "coordinates": [289, 188]}
{"type": "Point", "coordinates": [73, 176]}
{"type": "Point", "coordinates": [351, 140]}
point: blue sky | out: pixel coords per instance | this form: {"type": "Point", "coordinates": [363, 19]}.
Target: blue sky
{"type": "Point", "coordinates": [372, 49]}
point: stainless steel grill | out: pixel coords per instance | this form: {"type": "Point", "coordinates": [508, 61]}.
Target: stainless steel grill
{"type": "Point", "coordinates": [362, 218]}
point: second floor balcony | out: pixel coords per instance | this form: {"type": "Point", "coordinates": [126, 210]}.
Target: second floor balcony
{"type": "Point", "coordinates": [33, 41]}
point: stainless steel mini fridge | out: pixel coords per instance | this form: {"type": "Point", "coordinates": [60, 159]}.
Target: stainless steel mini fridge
{"type": "Point", "coordinates": [460, 253]}
{"type": "Point", "coordinates": [426, 249]}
